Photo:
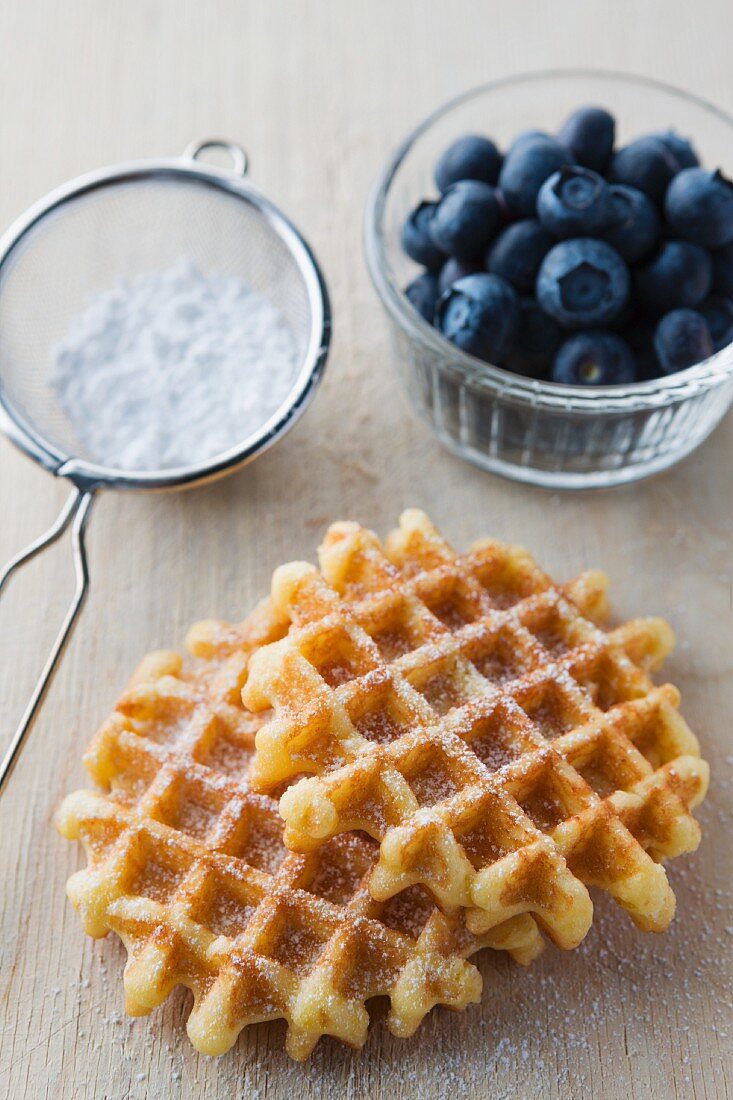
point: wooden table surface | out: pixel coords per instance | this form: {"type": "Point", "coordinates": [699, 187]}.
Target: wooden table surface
{"type": "Point", "coordinates": [318, 92]}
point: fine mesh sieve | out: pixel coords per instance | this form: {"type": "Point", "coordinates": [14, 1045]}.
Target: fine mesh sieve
{"type": "Point", "coordinates": [119, 223]}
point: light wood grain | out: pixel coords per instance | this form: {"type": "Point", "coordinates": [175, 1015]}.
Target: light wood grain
{"type": "Point", "coordinates": [318, 92]}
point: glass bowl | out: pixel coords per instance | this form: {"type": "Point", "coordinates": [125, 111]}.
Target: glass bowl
{"type": "Point", "coordinates": [534, 431]}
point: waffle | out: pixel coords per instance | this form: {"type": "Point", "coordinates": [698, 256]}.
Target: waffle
{"type": "Point", "coordinates": [187, 865]}
{"type": "Point", "coordinates": [476, 719]}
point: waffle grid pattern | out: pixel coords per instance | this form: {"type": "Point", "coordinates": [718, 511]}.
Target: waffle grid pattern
{"type": "Point", "coordinates": [476, 720]}
{"type": "Point", "coordinates": [187, 865]}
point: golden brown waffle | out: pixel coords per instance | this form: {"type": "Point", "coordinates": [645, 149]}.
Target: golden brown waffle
{"type": "Point", "coordinates": [475, 719]}
{"type": "Point", "coordinates": [188, 867]}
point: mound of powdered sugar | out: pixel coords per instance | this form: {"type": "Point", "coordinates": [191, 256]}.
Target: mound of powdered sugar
{"type": "Point", "coordinates": [172, 368]}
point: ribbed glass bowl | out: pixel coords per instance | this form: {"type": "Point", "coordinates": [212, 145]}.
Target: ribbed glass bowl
{"type": "Point", "coordinates": [541, 432]}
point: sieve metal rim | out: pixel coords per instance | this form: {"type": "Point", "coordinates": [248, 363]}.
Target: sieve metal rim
{"type": "Point", "coordinates": [186, 169]}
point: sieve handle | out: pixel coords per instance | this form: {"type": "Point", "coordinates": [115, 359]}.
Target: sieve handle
{"type": "Point", "coordinates": [76, 509]}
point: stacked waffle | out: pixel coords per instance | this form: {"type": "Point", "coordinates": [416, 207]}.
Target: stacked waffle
{"type": "Point", "coordinates": [459, 751]}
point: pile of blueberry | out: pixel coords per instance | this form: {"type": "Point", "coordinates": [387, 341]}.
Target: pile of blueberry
{"type": "Point", "coordinates": [570, 260]}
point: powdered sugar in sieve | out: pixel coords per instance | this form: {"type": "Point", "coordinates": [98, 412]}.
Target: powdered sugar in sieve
{"type": "Point", "coordinates": [171, 368]}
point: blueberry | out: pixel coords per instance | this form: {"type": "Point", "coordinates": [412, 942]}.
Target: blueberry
{"type": "Point", "coordinates": [582, 283]}
{"type": "Point", "coordinates": [723, 270]}
{"type": "Point", "coordinates": [594, 359]}
{"type": "Point", "coordinates": [538, 338]}
{"type": "Point", "coordinates": [699, 205]}
{"type": "Point", "coordinates": [416, 239]}
{"type": "Point", "coordinates": [526, 136]}
{"type": "Point", "coordinates": [466, 219]}
{"type": "Point", "coordinates": [453, 270]}
{"type": "Point", "coordinates": [423, 293]}
{"type": "Point", "coordinates": [681, 149]}
{"type": "Point", "coordinates": [589, 134]}
{"type": "Point", "coordinates": [678, 275]}
{"type": "Point", "coordinates": [574, 202]}
{"type": "Point", "coordinates": [635, 224]}
{"type": "Point", "coordinates": [718, 313]}
{"type": "Point", "coordinates": [469, 158]}
{"type": "Point", "coordinates": [646, 164]}
{"type": "Point", "coordinates": [517, 253]}
{"type": "Point", "coordinates": [525, 169]}
{"type": "Point", "coordinates": [682, 339]}
{"type": "Point", "coordinates": [480, 315]}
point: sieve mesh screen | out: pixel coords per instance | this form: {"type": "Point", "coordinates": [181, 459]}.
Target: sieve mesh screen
{"type": "Point", "coordinates": [125, 228]}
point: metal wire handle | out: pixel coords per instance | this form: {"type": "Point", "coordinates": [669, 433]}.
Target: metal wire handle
{"type": "Point", "coordinates": [76, 508]}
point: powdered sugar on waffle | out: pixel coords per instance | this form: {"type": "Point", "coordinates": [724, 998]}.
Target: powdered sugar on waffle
{"type": "Point", "coordinates": [171, 368]}
{"type": "Point", "coordinates": [554, 1030]}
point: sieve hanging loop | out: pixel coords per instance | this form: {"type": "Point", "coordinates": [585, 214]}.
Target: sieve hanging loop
{"type": "Point", "coordinates": [240, 160]}
{"type": "Point", "coordinates": [76, 509]}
